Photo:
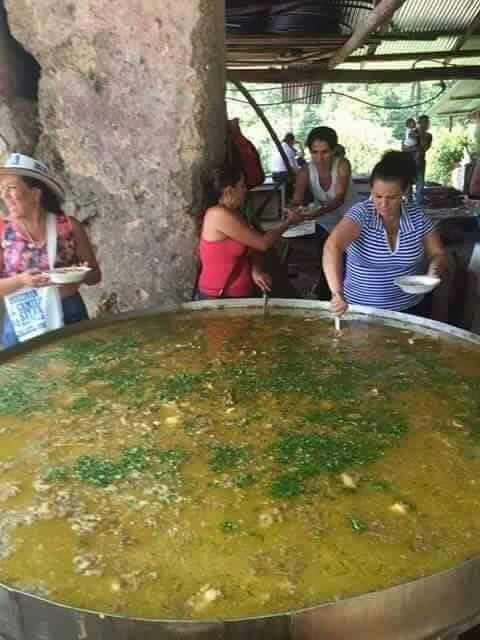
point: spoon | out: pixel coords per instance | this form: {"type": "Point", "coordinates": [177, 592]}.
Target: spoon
{"type": "Point", "coordinates": [338, 327]}
{"type": "Point", "coordinates": [265, 303]}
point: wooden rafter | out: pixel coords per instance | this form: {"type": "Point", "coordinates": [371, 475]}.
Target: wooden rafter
{"type": "Point", "coordinates": [470, 97]}
{"type": "Point", "coordinates": [270, 40]}
{"type": "Point", "coordinates": [266, 57]}
{"type": "Point", "coordinates": [405, 57]}
{"type": "Point", "coordinates": [318, 74]}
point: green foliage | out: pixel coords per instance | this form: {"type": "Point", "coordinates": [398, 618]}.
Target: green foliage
{"type": "Point", "coordinates": [475, 146]}
{"type": "Point", "coordinates": [365, 131]}
{"type": "Point", "coordinates": [447, 152]}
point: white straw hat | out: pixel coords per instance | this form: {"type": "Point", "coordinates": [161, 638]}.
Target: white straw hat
{"type": "Point", "coordinates": [21, 165]}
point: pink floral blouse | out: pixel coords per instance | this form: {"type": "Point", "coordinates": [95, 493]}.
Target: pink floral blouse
{"type": "Point", "coordinates": [20, 254]}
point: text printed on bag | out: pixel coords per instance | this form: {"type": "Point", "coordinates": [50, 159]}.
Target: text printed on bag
{"type": "Point", "coordinates": [26, 314]}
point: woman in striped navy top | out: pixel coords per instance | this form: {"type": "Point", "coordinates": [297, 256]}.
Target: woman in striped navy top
{"type": "Point", "coordinates": [383, 238]}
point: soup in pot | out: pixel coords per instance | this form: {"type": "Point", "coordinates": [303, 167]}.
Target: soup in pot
{"type": "Point", "coordinates": [221, 465]}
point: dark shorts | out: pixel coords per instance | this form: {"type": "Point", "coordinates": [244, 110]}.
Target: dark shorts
{"type": "Point", "coordinates": [74, 310]}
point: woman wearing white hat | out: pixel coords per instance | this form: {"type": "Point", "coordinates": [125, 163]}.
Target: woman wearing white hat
{"type": "Point", "coordinates": [36, 237]}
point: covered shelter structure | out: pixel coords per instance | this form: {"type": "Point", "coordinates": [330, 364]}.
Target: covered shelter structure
{"type": "Point", "coordinates": [462, 100]}
{"type": "Point", "coordinates": [352, 40]}
{"type": "Point", "coordinates": [301, 45]}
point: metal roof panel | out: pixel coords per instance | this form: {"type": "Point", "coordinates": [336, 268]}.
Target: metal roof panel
{"type": "Point", "coordinates": [417, 46]}
{"type": "Point", "coordinates": [436, 15]}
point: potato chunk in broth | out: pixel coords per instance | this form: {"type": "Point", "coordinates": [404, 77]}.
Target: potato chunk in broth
{"type": "Point", "coordinates": [220, 465]}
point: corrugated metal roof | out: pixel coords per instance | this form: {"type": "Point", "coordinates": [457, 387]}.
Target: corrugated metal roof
{"type": "Point", "coordinates": [297, 35]}
{"type": "Point", "coordinates": [380, 66]}
{"type": "Point", "coordinates": [302, 93]}
{"type": "Point", "coordinates": [352, 16]}
{"type": "Point", "coordinates": [417, 46]}
{"type": "Point", "coordinates": [436, 15]}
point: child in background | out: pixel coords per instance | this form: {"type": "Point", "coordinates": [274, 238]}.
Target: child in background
{"type": "Point", "coordinates": [411, 140]}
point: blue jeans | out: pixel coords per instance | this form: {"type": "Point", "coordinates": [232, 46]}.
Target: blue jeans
{"type": "Point", "coordinates": [74, 310]}
{"type": "Point", "coordinates": [419, 185]}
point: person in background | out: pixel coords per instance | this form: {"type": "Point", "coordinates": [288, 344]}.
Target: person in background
{"type": "Point", "coordinates": [30, 194]}
{"type": "Point", "coordinates": [383, 238]}
{"type": "Point", "coordinates": [301, 162]}
{"type": "Point", "coordinates": [280, 172]}
{"type": "Point", "coordinates": [229, 249]}
{"type": "Point", "coordinates": [242, 152]}
{"type": "Point", "coordinates": [279, 169]}
{"type": "Point", "coordinates": [411, 140]}
{"type": "Point", "coordinates": [425, 140]}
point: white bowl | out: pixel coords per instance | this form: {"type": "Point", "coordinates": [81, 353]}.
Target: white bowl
{"type": "Point", "coordinates": [417, 284]}
{"type": "Point", "coordinates": [68, 275]}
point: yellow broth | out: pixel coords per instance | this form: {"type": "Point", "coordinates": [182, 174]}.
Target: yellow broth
{"type": "Point", "coordinates": [219, 465]}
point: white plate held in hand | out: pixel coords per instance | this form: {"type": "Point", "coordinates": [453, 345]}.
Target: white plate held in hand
{"type": "Point", "coordinates": [68, 275]}
{"type": "Point", "coordinates": [417, 284]}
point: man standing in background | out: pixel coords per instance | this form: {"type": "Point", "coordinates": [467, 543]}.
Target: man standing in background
{"type": "Point", "coordinates": [279, 170]}
{"type": "Point", "coordinates": [424, 143]}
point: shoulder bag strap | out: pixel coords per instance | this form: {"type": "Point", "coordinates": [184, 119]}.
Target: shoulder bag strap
{"type": "Point", "coordinates": [51, 240]}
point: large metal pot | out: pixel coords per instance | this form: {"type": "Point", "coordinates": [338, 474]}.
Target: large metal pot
{"type": "Point", "coordinates": [440, 606]}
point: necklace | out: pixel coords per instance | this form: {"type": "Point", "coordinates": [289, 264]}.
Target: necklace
{"type": "Point", "coordinates": [39, 239]}
{"type": "Point", "coordinates": [392, 232]}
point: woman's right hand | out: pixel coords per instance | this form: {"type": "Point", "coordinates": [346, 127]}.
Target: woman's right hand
{"type": "Point", "coordinates": [293, 216]}
{"type": "Point", "coordinates": [33, 279]}
{"type": "Point", "coordinates": [338, 305]}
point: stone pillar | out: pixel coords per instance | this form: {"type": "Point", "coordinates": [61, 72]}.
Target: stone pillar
{"type": "Point", "coordinates": [18, 109]}
{"type": "Point", "coordinates": [131, 103]}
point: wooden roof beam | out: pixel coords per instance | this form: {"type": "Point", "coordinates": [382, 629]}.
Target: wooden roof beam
{"type": "Point", "coordinates": [405, 57]}
{"type": "Point", "coordinates": [323, 75]}
{"type": "Point", "coordinates": [299, 41]}
{"type": "Point", "coordinates": [243, 59]}
{"type": "Point", "coordinates": [456, 113]}
{"type": "Point", "coordinates": [471, 97]}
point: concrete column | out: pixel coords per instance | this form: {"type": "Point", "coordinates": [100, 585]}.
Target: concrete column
{"type": "Point", "coordinates": [131, 103]}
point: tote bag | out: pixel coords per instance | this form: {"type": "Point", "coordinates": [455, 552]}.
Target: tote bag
{"type": "Point", "coordinates": [36, 311]}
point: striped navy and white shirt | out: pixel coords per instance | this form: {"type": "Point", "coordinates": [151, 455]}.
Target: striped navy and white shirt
{"type": "Point", "coordinates": [372, 266]}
